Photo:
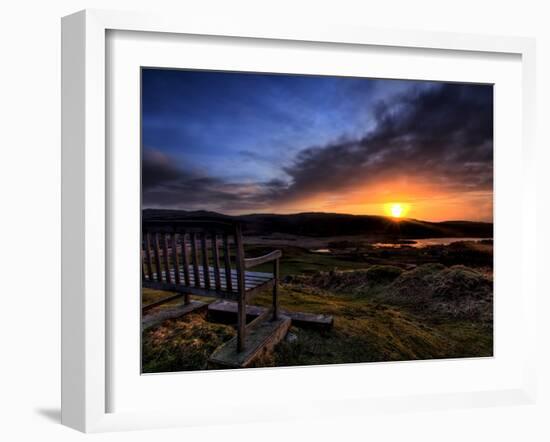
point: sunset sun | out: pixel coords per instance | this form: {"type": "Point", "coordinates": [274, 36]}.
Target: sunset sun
{"type": "Point", "coordinates": [396, 210]}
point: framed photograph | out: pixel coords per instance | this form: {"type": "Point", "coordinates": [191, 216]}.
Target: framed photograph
{"type": "Point", "coordinates": [328, 216]}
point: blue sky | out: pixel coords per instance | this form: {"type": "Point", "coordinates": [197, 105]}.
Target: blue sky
{"type": "Point", "coordinates": [222, 119]}
{"type": "Point", "coordinates": [250, 139]}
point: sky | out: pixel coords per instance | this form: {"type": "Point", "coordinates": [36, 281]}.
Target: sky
{"type": "Point", "coordinates": [239, 143]}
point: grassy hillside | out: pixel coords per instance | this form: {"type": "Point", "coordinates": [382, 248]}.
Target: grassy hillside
{"type": "Point", "coordinates": [415, 308]}
{"type": "Point", "coordinates": [373, 321]}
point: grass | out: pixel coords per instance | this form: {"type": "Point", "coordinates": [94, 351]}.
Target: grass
{"type": "Point", "coordinates": [381, 313]}
{"type": "Point", "coordinates": [182, 344]}
{"type": "Point", "coordinates": [367, 330]}
{"type": "Point", "coordinates": [297, 260]}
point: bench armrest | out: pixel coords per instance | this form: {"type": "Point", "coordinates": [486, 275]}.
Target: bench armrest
{"type": "Point", "coordinates": [253, 262]}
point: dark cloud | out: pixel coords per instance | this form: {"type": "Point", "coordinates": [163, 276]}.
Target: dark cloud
{"type": "Point", "coordinates": [157, 169]}
{"type": "Point", "coordinates": [442, 134]}
{"type": "Point", "coordinates": [165, 184]}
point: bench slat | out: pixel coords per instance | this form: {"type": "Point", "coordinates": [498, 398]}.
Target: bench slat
{"type": "Point", "coordinates": [166, 258]}
{"type": "Point", "coordinates": [149, 260]}
{"type": "Point", "coordinates": [156, 251]}
{"type": "Point", "coordinates": [216, 259]}
{"type": "Point", "coordinates": [248, 285]}
{"type": "Point", "coordinates": [195, 258]}
{"type": "Point", "coordinates": [227, 260]}
{"type": "Point", "coordinates": [185, 258]}
{"type": "Point", "coordinates": [251, 281]}
{"type": "Point", "coordinates": [197, 291]}
{"type": "Point", "coordinates": [175, 258]}
{"type": "Point", "coordinates": [204, 251]}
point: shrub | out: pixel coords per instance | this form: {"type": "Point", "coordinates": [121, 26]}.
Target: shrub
{"type": "Point", "coordinates": [459, 281]}
{"type": "Point", "coordinates": [457, 291]}
{"type": "Point", "coordinates": [382, 274]}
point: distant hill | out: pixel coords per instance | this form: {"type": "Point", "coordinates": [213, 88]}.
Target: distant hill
{"type": "Point", "coordinates": [335, 224]}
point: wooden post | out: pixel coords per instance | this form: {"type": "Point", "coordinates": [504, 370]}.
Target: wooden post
{"type": "Point", "coordinates": [241, 308]}
{"type": "Point", "coordinates": [156, 250]}
{"type": "Point", "coordinates": [149, 259]}
{"type": "Point", "coordinates": [275, 289]}
{"type": "Point", "coordinates": [166, 258]}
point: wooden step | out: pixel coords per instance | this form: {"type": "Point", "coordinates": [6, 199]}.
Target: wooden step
{"type": "Point", "coordinates": [226, 312]}
{"type": "Point", "coordinates": [261, 339]}
{"type": "Point", "coordinates": [161, 314]}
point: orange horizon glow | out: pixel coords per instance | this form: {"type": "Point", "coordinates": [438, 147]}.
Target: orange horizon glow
{"type": "Point", "coordinates": [398, 199]}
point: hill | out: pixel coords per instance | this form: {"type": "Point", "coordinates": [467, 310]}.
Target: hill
{"type": "Point", "coordinates": [333, 224]}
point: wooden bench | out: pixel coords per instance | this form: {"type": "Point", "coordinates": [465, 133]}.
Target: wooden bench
{"type": "Point", "coordinates": [183, 256]}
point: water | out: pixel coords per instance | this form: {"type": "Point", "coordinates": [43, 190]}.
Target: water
{"type": "Point", "coordinates": [425, 242]}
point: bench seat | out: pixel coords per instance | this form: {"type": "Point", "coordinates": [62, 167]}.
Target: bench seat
{"type": "Point", "coordinates": [254, 281]}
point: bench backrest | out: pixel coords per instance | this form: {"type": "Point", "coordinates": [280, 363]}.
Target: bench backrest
{"type": "Point", "coordinates": [187, 253]}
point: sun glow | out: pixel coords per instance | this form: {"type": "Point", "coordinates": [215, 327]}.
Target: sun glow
{"type": "Point", "coordinates": [396, 210]}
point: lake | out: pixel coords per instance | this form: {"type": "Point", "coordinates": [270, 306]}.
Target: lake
{"type": "Point", "coordinates": [425, 242]}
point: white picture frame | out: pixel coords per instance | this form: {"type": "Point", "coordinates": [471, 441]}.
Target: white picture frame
{"type": "Point", "coordinates": [86, 214]}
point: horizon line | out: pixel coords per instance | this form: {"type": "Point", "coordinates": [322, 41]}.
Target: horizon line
{"type": "Point", "coordinates": [322, 213]}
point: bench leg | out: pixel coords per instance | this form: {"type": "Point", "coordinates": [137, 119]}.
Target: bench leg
{"type": "Point", "coordinates": [241, 322]}
{"type": "Point", "coordinates": [275, 290]}
{"type": "Point", "coordinates": [187, 299]}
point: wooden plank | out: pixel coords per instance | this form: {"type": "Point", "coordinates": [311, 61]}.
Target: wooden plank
{"type": "Point", "coordinates": [258, 319]}
{"type": "Point", "coordinates": [156, 251]}
{"type": "Point", "coordinates": [143, 265]}
{"type": "Point", "coordinates": [198, 291]}
{"type": "Point", "coordinates": [216, 259]}
{"type": "Point", "coordinates": [251, 282]}
{"type": "Point", "coordinates": [195, 258]}
{"type": "Point", "coordinates": [205, 272]}
{"type": "Point", "coordinates": [250, 286]}
{"type": "Point", "coordinates": [252, 292]}
{"type": "Point", "coordinates": [227, 260]}
{"type": "Point", "coordinates": [261, 340]}
{"type": "Point", "coordinates": [175, 258]}
{"type": "Point", "coordinates": [185, 258]}
{"type": "Point", "coordinates": [253, 262]}
{"type": "Point", "coordinates": [226, 311]}
{"type": "Point", "coordinates": [165, 257]}
{"type": "Point", "coordinates": [251, 276]}
{"type": "Point", "coordinates": [148, 258]}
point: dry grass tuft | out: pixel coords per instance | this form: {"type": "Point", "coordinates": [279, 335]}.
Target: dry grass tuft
{"type": "Point", "coordinates": [458, 291]}
{"type": "Point", "coordinates": [182, 344]}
